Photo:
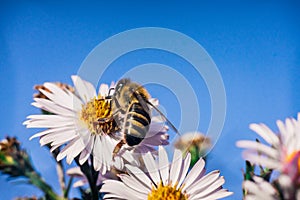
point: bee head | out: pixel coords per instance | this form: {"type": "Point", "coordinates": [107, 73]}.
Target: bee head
{"type": "Point", "coordinates": [121, 83]}
{"type": "Point", "coordinates": [130, 89]}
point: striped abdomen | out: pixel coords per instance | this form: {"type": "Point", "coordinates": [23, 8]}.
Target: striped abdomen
{"type": "Point", "coordinates": [137, 123]}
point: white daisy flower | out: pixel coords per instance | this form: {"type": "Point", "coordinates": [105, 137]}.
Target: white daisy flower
{"type": "Point", "coordinates": [283, 151]}
{"type": "Point", "coordinates": [259, 189]}
{"type": "Point", "coordinates": [74, 122]}
{"type": "Point", "coordinates": [166, 181]}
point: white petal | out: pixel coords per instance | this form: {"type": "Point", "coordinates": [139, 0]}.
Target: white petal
{"type": "Point", "coordinates": [216, 195]}
{"type": "Point", "coordinates": [56, 90]}
{"type": "Point", "coordinates": [49, 121]}
{"type": "Point", "coordinates": [261, 160]}
{"type": "Point", "coordinates": [163, 164]}
{"type": "Point", "coordinates": [255, 191]}
{"type": "Point", "coordinates": [128, 156]}
{"type": "Point", "coordinates": [80, 183]}
{"type": "Point", "coordinates": [76, 102]}
{"type": "Point", "coordinates": [57, 94]}
{"type": "Point", "coordinates": [103, 90]}
{"type": "Point", "coordinates": [121, 190]}
{"type": "Point", "coordinates": [71, 150]}
{"type": "Point", "coordinates": [265, 133]}
{"type": "Point", "coordinates": [52, 107]}
{"type": "Point", "coordinates": [52, 130]}
{"type": "Point", "coordinates": [54, 147]}
{"type": "Point", "coordinates": [291, 141]}
{"type": "Point", "coordinates": [266, 186]}
{"type": "Point", "coordinates": [194, 173]}
{"type": "Point", "coordinates": [133, 183]}
{"type": "Point", "coordinates": [81, 88]}
{"type": "Point", "coordinates": [140, 175]}
{"type": "Point", "coordinates": [259, 147]}
{"type": "Point", "coordinates": [66, 102]}
{"type": "Point", "coordinates": [118, 163]}
{"type": "Point", "coordinates": [91, 91]}
{"type": "Point", "coordinates": [75, 171]}
{"type": "Point", "coordinates": [85, 154]}
{"type": "Point", "coordinates": [175, 167]}
{"type": "Point", "coordinates": [107, 154]}
{"type": "Point", "coordinates": [185, 168]}
{"type": "Point", "coordinates": [217, 184]}
{"type": "Point", "coordinates": [151, 166]}
{"type": "Point", "coordinates": [58, 137]}
{"type": "Point", "coordinates": [204, 182]}
{"type": "Point", "coordinates": [97, 154]}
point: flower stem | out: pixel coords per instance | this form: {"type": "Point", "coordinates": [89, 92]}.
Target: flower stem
{"type": "Point", "coordinates": [36, 180]}
{"type": "Point", "coordinates": [59, 169]}
{"type": "Point", "coordinates": [91, 176]}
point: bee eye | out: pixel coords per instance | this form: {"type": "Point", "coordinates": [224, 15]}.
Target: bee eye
{"type": "Point", "coordinates": [119, 87]}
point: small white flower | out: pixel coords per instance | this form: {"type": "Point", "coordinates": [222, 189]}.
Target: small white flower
{"type": "Point", "coordinates": [283, 153]}
{"type": "Point", "coordinates": [166, 181]}
{"type": "Point", "coordinates": [259, 189]}
{"type": "Point", "coordinates": [193, 139]}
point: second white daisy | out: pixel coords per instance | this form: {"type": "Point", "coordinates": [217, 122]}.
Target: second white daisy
{"type": "Point", "coordinates": [283, 154]}
{"type": "Point", "coordinates": [166, 181]}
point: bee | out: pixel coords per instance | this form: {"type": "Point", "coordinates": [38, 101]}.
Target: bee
{"type": "Point", "coordinates": [131, 108]}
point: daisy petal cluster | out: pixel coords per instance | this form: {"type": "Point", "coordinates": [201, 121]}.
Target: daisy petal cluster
{"type": "Point", "coordinates": [280, 154]}
{"type": "Point", "coordinates": [259, 189]}
{"type": "Point", "coordinates": [66, 123]}
{"type": "Point", "coordinates": [163, 180]}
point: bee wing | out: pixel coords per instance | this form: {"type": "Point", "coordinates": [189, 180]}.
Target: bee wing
{"type": "Point", "coordinates": [168, 121]}
{"type": "Point", "coordinates": [142, 101]}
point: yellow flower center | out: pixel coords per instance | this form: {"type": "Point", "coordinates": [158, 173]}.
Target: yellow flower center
{"type": "Point", "coordinates": [291, 156]}
{"type": "Point", "coordinates": [292, 166]}
{"type": "Point", "coordinates": [167, 192]}
{"type": "Point", "coordinates": [97, 115]}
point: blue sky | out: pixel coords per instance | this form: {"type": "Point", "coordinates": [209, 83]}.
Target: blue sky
{"type": "Point", "coordinates": [256, 48]}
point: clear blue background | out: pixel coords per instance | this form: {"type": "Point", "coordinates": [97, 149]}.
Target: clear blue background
{"type": "Point", "coordinates": [256, 47]}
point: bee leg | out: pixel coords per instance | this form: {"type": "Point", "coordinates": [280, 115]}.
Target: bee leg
{"type": "Point", "coordinates": [109, 92]}
{"type": "Point", "coordinates": [118, 148]}
{"type": "Point", "coordinates": [104, 120]}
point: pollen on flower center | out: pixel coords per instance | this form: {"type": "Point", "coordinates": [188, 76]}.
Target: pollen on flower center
{"type": "Point", "coordinates": [97, 115]}
{"type": "Point", "coordinates": [169, 192]}
{"type": "Point", "coordinates": [292, 165]}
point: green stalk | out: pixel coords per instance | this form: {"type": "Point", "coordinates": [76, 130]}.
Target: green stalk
{"type": "Point", "coordinates": [36, 180]}
{"type": "Point", "coordinates": [67, 190]}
